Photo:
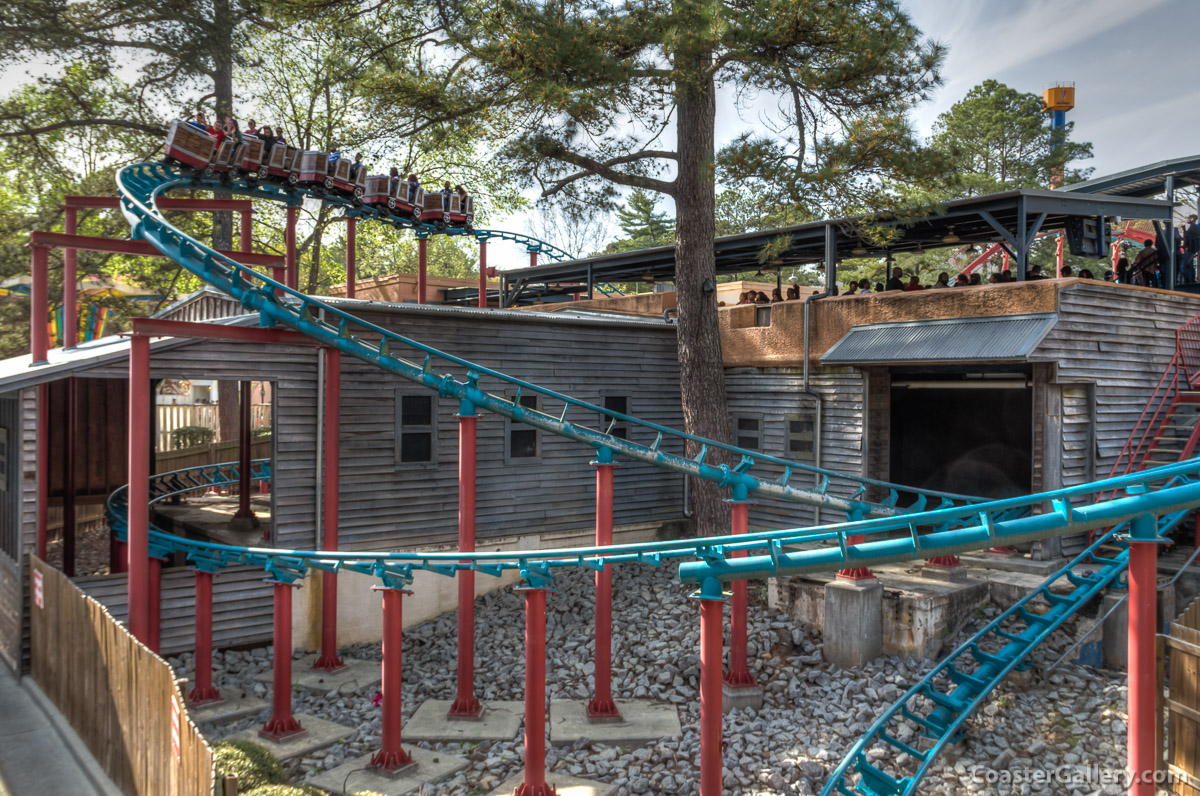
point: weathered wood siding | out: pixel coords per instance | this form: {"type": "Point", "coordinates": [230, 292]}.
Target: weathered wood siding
{"type": "Point", "coordinates": [11, 590]}
{"type": "Point", "coordinates": [385, 504]}
{"type": "Point", "coordinates": [1120, 341]}
{"type": "Point", "coordinates": [775, 393]}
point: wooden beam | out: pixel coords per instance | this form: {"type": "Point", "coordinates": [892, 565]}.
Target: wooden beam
{"type": "Point", "coordinates": [156, 327]}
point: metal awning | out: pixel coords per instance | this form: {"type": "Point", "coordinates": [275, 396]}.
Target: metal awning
{"type": "Point", "coordinates": [997, 338]}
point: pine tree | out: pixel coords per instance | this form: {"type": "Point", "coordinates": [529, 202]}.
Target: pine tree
{"type": "Point", "coordinates": [641, 223]}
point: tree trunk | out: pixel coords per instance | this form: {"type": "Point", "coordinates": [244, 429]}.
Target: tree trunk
{"type": "Point", "coordinates": [701, 373]}
{"type": "Point", "coordinates": [223, 96]}
{"type": "Point", "coordinates": [228, 409]}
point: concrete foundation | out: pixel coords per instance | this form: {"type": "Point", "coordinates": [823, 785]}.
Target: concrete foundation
{"type": "Point", "coordinates": [916, 611]}
{"type": "Point", "coordinates": [237, 704]}
{"type": "Point", "coordinates": [854, 615]}
{"type": "Point", "coordinates": [742, 697]}
{"type": "Point", "coordinates": [500, 721]}
{"type": "Point", "coordinates": [353, 776]}
{"type": "Point", "coordinates": [354, 675]}
{"type": "Point", "coordinates": [318, 733]}
{"type": "Point", "coordinates": [563, 786]}
{"type": "Point", "coordinates": [1115, 632]}
{"type": "Point", "coordinates": [641, 722]}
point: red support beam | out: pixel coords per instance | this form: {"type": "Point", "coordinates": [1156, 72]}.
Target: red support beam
{"type": "Point", "coordinates": [483, 273]}
{"type": "Point", "coordinates": [39, 298]}
{"type": "Point", "coordinates": [465, 705]}
{"type": "Point", "coordinates": [535, 695]}
{"type": "Point", "coordinates": [43, 467]}
{"type": "Point", "coordinates": [157, 327]}
{"type": "Point", "coordinates": [422, 265]}
{"type": "Point", "coordinates": [70, 331]}
{"type": "Point", "coordinates": [282, 724]}
{"type": "Point", "coordinates": [328, 660]}
{"type": "Point", "coordinates": [198, 205]}
{"type": "Point", "coordinates": [1143, 627]}
{"type": "Point", "coordinates": [351, 255]}
{"type": "Point", "coordinates": [68, 465]}
{"type": "Point", "coordinates": [711, 709]}
{"type": "Point", "coordinates": [138, 510]}
{"type": "Point", "coordinates": [856, 573]}
{"type": "Point", "coordinates": [136, 248]}
{"type": "Point", "coordinates": [391, 756]}
{"type": "Point", "coordinates": [291, 266]}
{"type": "Point", "coordinates": [154, 605]}
{"type": "Point", "coordinates": [244, 512]}
{"type": "Point", "coordinates": [602, 707]}
{"type": "Point", "coordinates": [246, 239]}
{"type": "Point", "coordinates": [739, 675]}
{"type": "Point", "coordinates": [202, 691]}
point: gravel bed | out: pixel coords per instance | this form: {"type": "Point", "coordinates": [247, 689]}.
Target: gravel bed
{"type": "Point", "coordinates": [812, 711]}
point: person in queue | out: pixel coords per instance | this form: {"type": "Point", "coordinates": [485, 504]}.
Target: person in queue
{"type": "Point", "coordinates": [896, 281]}
{"type": "Point", "coordinates": [943, 280]}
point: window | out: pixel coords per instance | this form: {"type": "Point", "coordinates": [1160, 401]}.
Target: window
{"type": "Point", "coordinates": [620, 405]}
{"type": "Point", "coordinates": [747, 432]}
{"type": "Point", "coordinates": [416, 429]}
{"type": "Point", "coordinates": [523, 440]}
{"type": "Point", "coordinates": [800, 435]}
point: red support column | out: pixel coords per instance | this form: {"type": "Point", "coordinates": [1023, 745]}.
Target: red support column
{"type": "Point", "coordinates": [711, 710]}
{"type": "Point", "coordinates": [1058, 256]}
{"type": "Point", "coordinates": [244, 517]}
{"type": "Point", "coordinates": [483, 273]}
{"type": "Point", "coordinates": [282, 723]}
{"type": "Point", "coordinates": [465, 705]}
{"type": "Point", "coordinates": [202, 690]}
{"type": "Point", "coordinates": [154, 605]}
{"type": "Point", "coordinates": [1143, 627]}
{"type": "Point", "coordinates": [328, 660]}
{"type": "Point", "coordinates": [246, 239]}
{"type": "Point", "coordinates": [138, 510]}
{"type": "Point", "coordinates": [69, 464]}
{"type": "Point", "coordinates": [422, 254]}
{"type": "Point", "coordinates": [70, 283]}
{"type": "Point", "coordinates": [739, 674]}
{"type": "Point", "coordinates": [602, 707]}
{"type": "Point", "coordinates": [39, 297]}
{"type": "Point", "coordinates": [391, 756]}
{"type": "Point", "coordinates": [291, 267]}
{"type": "Point", "coordinates": [855, 573]}
{"type": "Point", "coordinates": [351, 255]}
{"type": "Point", "coordinates": [43, 467]}
{"type": "Point", "coordinates": [532, 259]}
{"type": "Point", "coordinates": [535, 695]}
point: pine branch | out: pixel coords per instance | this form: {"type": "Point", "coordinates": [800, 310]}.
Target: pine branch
{"type": "Point", "coordinates": [591, 166]}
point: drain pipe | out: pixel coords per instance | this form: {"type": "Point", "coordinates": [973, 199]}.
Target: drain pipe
{"type": "Point", "coordinates": [830, 290]}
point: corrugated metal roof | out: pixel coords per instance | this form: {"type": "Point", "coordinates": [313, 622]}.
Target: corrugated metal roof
{"type": "Point", "coordinates": [992, 338]}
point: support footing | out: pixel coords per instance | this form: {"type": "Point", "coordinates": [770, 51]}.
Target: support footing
{"type": "Point", "coordinates": [640, 722]}
{"type": "Point", "coordinates": [853, 621]}
{"type": "Point", "coordinates": [744, 696]}
{"type": "Point", "coordinates": [499, 721]}
{"type": "Point", "coordinates": [355, 776]}
{"type": "Point", "coordinates": [561, 786]}
{"type": "Point", "coordinates": [319, 733]}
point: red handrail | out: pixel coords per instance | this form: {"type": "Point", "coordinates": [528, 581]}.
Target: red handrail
{"type": "Point", "coordinates": [1163, 397]}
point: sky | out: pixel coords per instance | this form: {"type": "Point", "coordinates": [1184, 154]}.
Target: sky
{"type": "Point", "coordinates": [1133, 63]}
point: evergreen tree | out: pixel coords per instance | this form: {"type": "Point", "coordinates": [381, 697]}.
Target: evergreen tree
{"type": "Point", "coordinates": [640, 222]}
{"type": "Point", "coordinates": [998, 139]}
{"type": "Point", "coordinates": [589, 90]}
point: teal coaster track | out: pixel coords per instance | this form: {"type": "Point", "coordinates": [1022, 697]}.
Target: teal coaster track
{"type": "Point", "coordinates": [882, 532]}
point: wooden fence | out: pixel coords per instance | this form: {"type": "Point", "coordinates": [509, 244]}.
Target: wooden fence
{"type": "Point", "coordinates": [215, 453]}
{"type": "Point", "coordinates": [173, 416]}
{"type": "Point", "coordinates": [1182, 704]}
{"type": "Point", "coordinates": [121, 698]}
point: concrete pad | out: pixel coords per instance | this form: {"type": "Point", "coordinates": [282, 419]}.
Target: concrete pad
{"type": "Point", "coordinates": [500, 721]}
{"type": "Point", "coordinates": [563, 785]}
{"type": "Point", "coordinates": [948, 574]}
{"type": "Point", "coordinates": [318, 733]}
{"type": "Point", "coordinates": [354, 675]}
{"type": "Point", "coordinates": [741, 697]}
{"type": "Point", "coordinates": [641, 722]}
{"type": "Point", "coordinates": [430, 767]}
{"type": "Point", "coordinates": [1004, 563]}
{"type": "Point", "coordinates": [236, 704]}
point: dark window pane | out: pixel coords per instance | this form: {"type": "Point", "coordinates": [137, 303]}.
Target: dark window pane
{"type": "Point", "coordinates": [617, 403]}
{"type": "Point", "coordinates": [522, 443]}
{"type": "Point", "coordinates": [416, 410]}
{"type": "Point", "coordinates": [529, 401]}
{"type": "Point", "coordinates": [747, 441]}
{"type": "Point", "coordinates": [416, 447]}
{"type": "Point", "coordinates": [620, 431]}
{"type": "Point", "coordinates": [800, 426]}
{"type": "Point", "coordinates": [800, 445]}
{"type": "Point", "coordinates": [747, 424]}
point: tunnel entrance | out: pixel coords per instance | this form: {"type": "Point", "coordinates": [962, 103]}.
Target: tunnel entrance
{"type": "Point", "coordinates": [963, 431]}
